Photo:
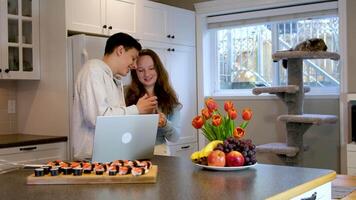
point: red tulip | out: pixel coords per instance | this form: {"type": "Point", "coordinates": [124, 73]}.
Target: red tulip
{"type": "Point", "coordinates": [216, 120]}
{"type": "Point", "coordinates": [239, 132]}
{"type": "Point", "coordinates": [211, 104]}
{"type": "Point", "coordinates": [228, 105]}
{"type": "Point", "coordinates": [198, 122]}
{"type": "Point", "coordinates": [206, 113]}
{"type": "Point", "coordinates": [232, 113]}
{"type": "Point", "coordinates": [246, 114]}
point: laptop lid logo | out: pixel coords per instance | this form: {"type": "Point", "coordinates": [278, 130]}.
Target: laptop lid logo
{"type": "Point", "coordinates": [126, 137]}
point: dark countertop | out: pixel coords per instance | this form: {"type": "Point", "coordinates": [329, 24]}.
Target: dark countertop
{"type": "Point", "coordinates": [178, 178]}
{"type": "Point", "coordinates": [15, 140]}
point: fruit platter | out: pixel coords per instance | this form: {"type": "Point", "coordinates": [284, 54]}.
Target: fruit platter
{"type": "Point", "coordinates": [227, 150]}
{"type": "Point", "coordinates": [84, 172]}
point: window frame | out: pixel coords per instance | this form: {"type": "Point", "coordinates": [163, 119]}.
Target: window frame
{"type": "Point", "coordinates": [215, 74]}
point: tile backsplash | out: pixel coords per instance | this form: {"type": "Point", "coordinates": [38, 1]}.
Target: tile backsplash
{"type": "Point", "coordinates": [8, 123]}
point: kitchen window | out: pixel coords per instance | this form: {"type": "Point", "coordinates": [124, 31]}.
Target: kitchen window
{"type": "Point", "coordinates": [243, 46]}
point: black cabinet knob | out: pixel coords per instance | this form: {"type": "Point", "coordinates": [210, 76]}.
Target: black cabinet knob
{"type": "Point", "coordinates": [172, 37]}
{"type": "Point", "coordinates": [0, 70]}
{"type": "Point", "coordinates": [7, 70]}
{"type": "Point", "coordinates": [110, 27]}
{"type": "Point", "coordinates": [172, 49]}
{"type": "Point", "coordinates": [169, 49]}
{"type": "Point", "coordinates": [168, 36]}
{"type": "Point", "coordinates": [105, 26]}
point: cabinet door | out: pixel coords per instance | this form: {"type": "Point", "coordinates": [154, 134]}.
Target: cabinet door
{"type": "Point", "coordinates": [153, 22]}
{"type": "Point", "coordinates": [181, 26]}
{"type": "Point", "coordinates": [86, 16]}
{"type": "Point", "coordinates": [182, 72]}
{"type": "Point", "coordinates": [20, 40]}
{"type": "Point", "coordinates": [121, 16]}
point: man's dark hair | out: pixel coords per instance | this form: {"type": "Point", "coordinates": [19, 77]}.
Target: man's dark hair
{"type": "Point", "coordinates": [123, 39]}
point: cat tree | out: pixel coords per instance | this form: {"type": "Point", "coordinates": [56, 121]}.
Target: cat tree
{"type": "Point", "coordinates": [297, 123]}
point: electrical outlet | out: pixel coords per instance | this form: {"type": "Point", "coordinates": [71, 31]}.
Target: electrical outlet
{"type": "Point", "coordinates": [11, 106]}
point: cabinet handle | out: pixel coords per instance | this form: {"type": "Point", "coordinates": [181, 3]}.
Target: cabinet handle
{"type": "Point", "coordinates": [169, 49]}
{"type": "Point", "coordinates": [105, 26]}
{"type": "Point", "coordinates": [110, 27]}
{"type": "Point", "coordinates": [172, 37]}
{"type": "Point", "coordinates": [7, 70]}
{"type": "Point", "coordinates": [28, 148]}
{"type": "Point", "coordinates": [172, 49]}
{"type": "Point", "coordinates": [168, 36]}
{"type": "Point", "coordinates": [185, 147]}
{"type": "Point", "coordinates": [0, 70]}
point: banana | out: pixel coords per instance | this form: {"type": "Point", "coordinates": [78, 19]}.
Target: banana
{"type": "Point", "coordinates": [195, 156]}
{"type": "Point", "coordinates": [209, 148]}
{"type": "Point", "coordinates": [200, 156]}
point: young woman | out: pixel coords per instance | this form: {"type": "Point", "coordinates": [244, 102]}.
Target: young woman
{"type": "Point", "coordinates": [151, 78]}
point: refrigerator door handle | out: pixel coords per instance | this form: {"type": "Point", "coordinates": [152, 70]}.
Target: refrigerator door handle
{"type": "Point", "coordinates": [85, 56]}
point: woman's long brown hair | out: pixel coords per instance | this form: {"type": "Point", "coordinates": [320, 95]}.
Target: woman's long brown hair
{"type": "Point", "coordinates": [167, 97]}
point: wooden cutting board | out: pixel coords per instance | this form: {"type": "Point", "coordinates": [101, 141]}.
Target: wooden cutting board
{"type": "Point", "coordinates": [150, 177]}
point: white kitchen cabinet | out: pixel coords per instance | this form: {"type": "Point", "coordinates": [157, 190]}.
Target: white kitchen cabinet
{"type": "Point", "coordinates": [164, 23]}
{"type": "Point", "coordinates": [32, 154]}
{"type": "Point", "coordinates": [351, 159]}
{"type": "Point", "coordinates": [182, 150]}
{"type": "Point", "coordinates": [180, 62]}
{"type": "Point", "coordinates": [104, 17]}
{"type": "Point", "coordinates": [322, 192]}
{"type": "Point", "coordinates": [19, 39]}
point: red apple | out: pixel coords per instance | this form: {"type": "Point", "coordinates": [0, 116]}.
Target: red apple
{"type": "Point", "coordinates": [216, 158]}
{"type": "Point", "coordinates": [235, 159]}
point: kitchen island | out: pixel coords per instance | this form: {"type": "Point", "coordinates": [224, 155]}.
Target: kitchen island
{"type": "Point", "coordinates": [178, 178]}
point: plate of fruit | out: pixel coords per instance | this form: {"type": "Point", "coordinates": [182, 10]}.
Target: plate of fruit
{"type": "Point", "coordinates": [228, 155]}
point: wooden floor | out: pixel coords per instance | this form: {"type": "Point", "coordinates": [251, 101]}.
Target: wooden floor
{"type": "Point", "coordinates": [344, 180]}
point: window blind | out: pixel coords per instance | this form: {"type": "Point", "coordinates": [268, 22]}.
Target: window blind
{"type": "Point", "coordinates": [272, 15]}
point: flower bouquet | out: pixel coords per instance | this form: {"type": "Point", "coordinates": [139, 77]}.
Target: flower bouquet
{"type": "Point", "coordinates": [216, 126]}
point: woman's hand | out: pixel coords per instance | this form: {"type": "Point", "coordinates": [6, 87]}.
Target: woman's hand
{"type": "Point", "coordinates": [146, 104]}
{"type": "Point", "coordinates": [162, 122]}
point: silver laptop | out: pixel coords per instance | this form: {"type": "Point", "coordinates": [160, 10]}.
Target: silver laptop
{"type": "Point", "coordinates": [125, 137]}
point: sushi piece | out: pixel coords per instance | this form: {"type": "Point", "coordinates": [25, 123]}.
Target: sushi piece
{"type": "Point", "coordinates": [99, 169]}
{"type": "Point", "coordinates": [145, 164]}
{"type": "Point", "coordinates": [54, 171]}
{"type": "Point", "coordinates": [87, 168]}
{"type": "Point", "coordinates": [123, 170]}
{"type": "Point", "coordinates": [78, 171]}
{"type": "Point", "coordinates": [66, 170]}
{"type": "Point", "coordinates": [137, 171]}
{"type": "Point", "coordinates": [46, 169]}
{"type": "Point", "coordinates": [112, 172]}
{"type": "Point", "coordinates": [39, 172]}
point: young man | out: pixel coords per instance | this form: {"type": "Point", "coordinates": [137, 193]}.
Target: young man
{"type": "Point", "coordinates": [99, 91]}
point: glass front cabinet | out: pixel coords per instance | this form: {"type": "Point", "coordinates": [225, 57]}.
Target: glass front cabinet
{"type": "Point", "coordinates": [19, 56]}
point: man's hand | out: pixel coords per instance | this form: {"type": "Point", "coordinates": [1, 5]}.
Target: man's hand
{"type": "Point", "coordinates": [146, 104]}
{"type": "Point", "coordinates": [162, 120]}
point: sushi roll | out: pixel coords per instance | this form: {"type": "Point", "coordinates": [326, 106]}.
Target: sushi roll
{"type": "Point", "coordinates": [66, 170]}
{"type": "Point", "coordinates": [39, 172]}
{"type": "Point", "coordinates": [123, 170]}
{"type": "Point", "coordinates": [112, 172]}
{"type": "Point", "coordinates": [99, 169]}
{"type": "Point", "coordinates": [78, 171]}
{"type": "Point", "coordinates": [46, 169]}
{"type": "Point", "coordinates": [137, 171]}
{"type": "Point", "coordinates": [145, 164]}
{"type": "Point", "coordinates": [54, 171]}
{"type": "Point", "coordinates": [87, 168]}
